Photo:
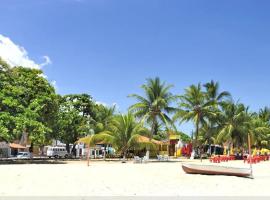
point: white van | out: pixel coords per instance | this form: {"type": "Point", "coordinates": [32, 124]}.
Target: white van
{"type": "Point", "coordinates": [57, 152]}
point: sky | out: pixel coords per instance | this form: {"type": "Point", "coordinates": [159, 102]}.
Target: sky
{"type": "Point", "coordinates": [108, 48]}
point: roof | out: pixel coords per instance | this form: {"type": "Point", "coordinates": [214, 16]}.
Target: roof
{"type": "Point", "coordinates": [175, 137]}
{"type": "Point", "coordinates": [144, 139]}
{"type": "Point", "coordinates": [16, 146]}
{"type": "Point", "coordinates": [140, 139]}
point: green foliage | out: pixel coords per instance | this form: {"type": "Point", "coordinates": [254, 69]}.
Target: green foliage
{"type": "Point", "coordinates": [124, 134]}
{"type": "Point", "coordinates": [185, 138]}
{"type": "Point", "coordinates": [30, 106]}
{"type": "Point", "coordinates": [104, 116]}
{"type": "Point", "coordinates": [195, 106]}
{"type": "Point", "coordinates": [75, 117]}
{"type": "Point", "coordinates": [264, 114]}
{"type": "Point", "coordinates": [233, 120]}
{"type": "Point", "coordinates": [156, 105]}
{"type": "Point", "coordinates": [27, 104]}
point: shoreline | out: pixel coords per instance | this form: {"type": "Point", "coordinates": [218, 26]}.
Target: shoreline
{"type": "Point", "coordinates": [128, 179]}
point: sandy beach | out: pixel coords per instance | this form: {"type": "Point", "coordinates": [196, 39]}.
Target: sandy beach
{"type": "Point", "coordinates": [117, 179]}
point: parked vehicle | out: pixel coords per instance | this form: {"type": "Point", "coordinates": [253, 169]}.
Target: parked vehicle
{"type": "Point", "coordinates": [57, 152]}
{"type": "Point", "coordinates": [23, 155]}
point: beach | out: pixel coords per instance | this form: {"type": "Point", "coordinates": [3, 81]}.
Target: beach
{"type": "Point", "coordinates": [118, 179]}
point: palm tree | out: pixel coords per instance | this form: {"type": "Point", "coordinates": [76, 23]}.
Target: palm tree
{"type": "Point", "coordinates": [105, 115]}
{"type": "Point", "coordinates": [207, 135]}
{"type": "Point", "coordinates": [124, 133]}
{"type": "Point", "coordinates": [258, 130]}
{"type": "Point", "coordinates": [233, 124]}
{"type": "Point", "coordinates": [194, 106]}
{"type": "Point", "coordinates": [264, 114]}
{"type": "Point", "coordinates": [155, 107]}
{"type": "Point", "coordinates": [213, 94]}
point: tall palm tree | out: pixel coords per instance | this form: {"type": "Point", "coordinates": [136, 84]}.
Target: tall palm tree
{"type": "Point", "coordinates": [214, 95]}
{"type": "Point", "coordinates": [124, 133]}
{"type": "Point", "coordinates": [155, 106]}
{"type": "Point", "coordinates": [194, 106]}
{"type": "Point", "coordinates": [234, 118]}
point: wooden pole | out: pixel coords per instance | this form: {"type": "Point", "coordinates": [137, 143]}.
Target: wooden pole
{"type": "Point", "coordinates": [250, 154]}
{"type": "Point", "coordinates": [88, 155]}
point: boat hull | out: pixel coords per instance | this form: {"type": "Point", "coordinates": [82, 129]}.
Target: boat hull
{"type": "Point", "coordinates": [216, 170]}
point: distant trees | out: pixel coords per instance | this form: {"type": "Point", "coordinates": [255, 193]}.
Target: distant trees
{"type": "Point", "coordinates": [74, 118]}
{"type": "Point", "coordinates": [31, 111]}
{"type": "Point", "coordinates": [219, 120]}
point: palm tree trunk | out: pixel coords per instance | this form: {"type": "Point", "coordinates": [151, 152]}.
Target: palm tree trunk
{"type": "Point", "coordinates": [197, 133]}
{"type": "Point", "coordinates": [195, 140]}
{"type": "Point", "coordinates": [153, 132]}
{"type": "Point", "coordinates": [153, 128]}
{"type": "Point", "coordinates": [124, 156]}
{"type": "Point", "coordinates": [104, 157]}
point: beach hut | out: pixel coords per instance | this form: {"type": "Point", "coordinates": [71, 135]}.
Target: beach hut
{"type": "Point", "coordinates": [10, 149]}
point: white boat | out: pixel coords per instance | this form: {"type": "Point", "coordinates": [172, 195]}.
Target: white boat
{"type": "Point", "coordinates": [216, 170]}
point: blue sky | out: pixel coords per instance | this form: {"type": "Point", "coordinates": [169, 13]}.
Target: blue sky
{"type": "Point", "coordinates": [107, 48]}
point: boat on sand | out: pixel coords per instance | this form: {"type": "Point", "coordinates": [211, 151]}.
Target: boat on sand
{"type": "Point", "coordinates": [216, 170]}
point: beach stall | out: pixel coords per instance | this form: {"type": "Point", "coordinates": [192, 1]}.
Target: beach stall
{"type": "Point", "coordinates": [10, 149]}
{"type": "Point", "coordinates": [173, 144]}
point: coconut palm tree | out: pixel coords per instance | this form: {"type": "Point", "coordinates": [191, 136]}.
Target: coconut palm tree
{"type": "Point", "coordinates": [155, 106]}
{"type": "Point", "coordinates": [233, 124]}
{"type": "Point", "coordinates": [105, 115]}
{"type": "Point", "coordinates": [124, 133]}
{"type": "Point", "coordinates": [258, 130]}
{"type": "Point", "coordinates": [194, 106]}
{"type": "Point", "coordinates": [264, 114]}
{"type": "Point", "coordinates": [214, 95]}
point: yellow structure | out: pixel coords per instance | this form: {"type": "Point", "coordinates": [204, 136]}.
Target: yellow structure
{"type": "Point", "coordinates": [231, 151]}
{"type": "Point", "coordinates": [178, 153]}
{"type": "Point", "coordinates": [265, 151]}
{"type": "Point", "coordinates": [225, 151]}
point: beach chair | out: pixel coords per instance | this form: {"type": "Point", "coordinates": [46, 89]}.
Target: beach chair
{"type": "Point", "coordinates": [215, 159]}
{"type": "Point", "coordinates": [145, 159]}
{"type": "Point", "coordinates": [166, 158]}
{"type": "Point", "coordinates": [160, 157]}
{"type": "Point", "coordinates": [137, 160]}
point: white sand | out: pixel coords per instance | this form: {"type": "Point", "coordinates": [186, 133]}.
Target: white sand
{"type": "Point", "coordinates": [117, 179]}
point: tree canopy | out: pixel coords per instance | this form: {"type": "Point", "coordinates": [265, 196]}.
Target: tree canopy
{"type": "Point", "coordinates": [32, 111]}
{"type": "Point", "coordinates": [28, 104]}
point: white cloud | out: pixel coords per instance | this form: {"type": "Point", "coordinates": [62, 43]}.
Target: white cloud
{"type": "Point", "coordinates": [54, 84]}
{"type": "Point", "coordinates": [46, 62]}
{"type": "Point", "coordinates": [16, 55]}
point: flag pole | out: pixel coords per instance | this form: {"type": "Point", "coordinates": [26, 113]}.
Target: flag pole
{"type": "Point", "coordinates": [250, 154]}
